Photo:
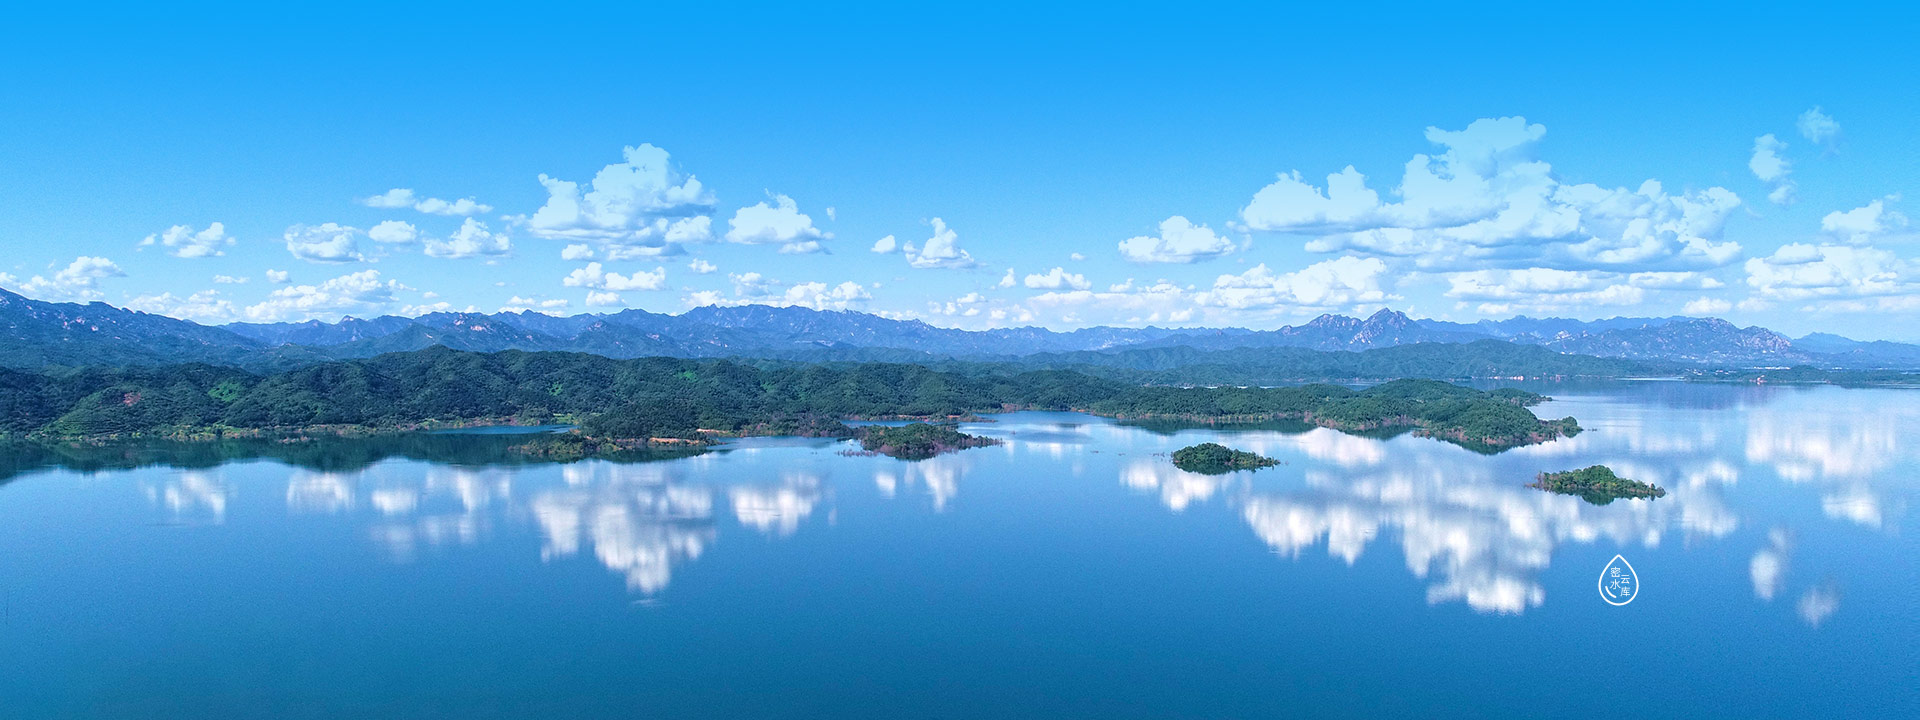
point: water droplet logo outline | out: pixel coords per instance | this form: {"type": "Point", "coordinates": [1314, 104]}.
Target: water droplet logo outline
{"type": "Point", "coordinates": [1619, 584]}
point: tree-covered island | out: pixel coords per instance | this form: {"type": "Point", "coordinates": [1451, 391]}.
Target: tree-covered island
{"type": "Point", "coordinates": [679, 401]}
{"type": "Point", "coordinates": [1214, 458]}
{"type": "Point", "coordinates": [917, 441]}
{"type": "Point", "coordinates": [1597, 484]}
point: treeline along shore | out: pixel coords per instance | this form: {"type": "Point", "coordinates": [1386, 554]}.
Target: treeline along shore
{"type": "Point", "coordinates": [668, 399]}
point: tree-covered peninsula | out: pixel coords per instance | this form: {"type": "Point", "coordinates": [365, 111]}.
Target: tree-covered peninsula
{"type": "Point", "coordinates": [1214, 458]}
{"type": "Point", "coordinates": [1596, 484]}
{"type": "Point", "coordinates": [670, 399]}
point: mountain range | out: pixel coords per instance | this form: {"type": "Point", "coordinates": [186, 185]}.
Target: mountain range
{"type": "Point", "coordinates": [36, 333]}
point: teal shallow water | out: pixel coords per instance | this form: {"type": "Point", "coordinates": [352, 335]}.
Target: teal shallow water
{"type": "Point", "coordinates": [1072, 572]}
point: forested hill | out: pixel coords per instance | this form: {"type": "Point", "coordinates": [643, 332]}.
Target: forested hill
{"type": "Point", "coordinates": [678, 398]}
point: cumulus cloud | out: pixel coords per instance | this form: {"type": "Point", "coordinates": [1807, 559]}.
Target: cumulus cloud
{"type": "Point", "coordinates": [701, 267]}
{"type": "Point", "coordinates": [596, 277]}
{"type": "Point", "coordinates": [1058, 279]}
{"type": "Point", "coordinates": [362, 292]}
{"type": "Point", "coordinates": [324, 243]}
{"type": "Point", "coordinates": [940, 251]}
{"type": "Point", "coordinates": [1865, 224]}
{"type": "Point", "coordinates": [394, 232]}
{"type": "Point", "coordinates": [1706, 306]}
{"type": "Point", "coordinates": [643, 201]}
{"type": "Point", "coordinates": [1541, 289]}
{"type": "Point", "coordinates": [229, 280]}
{"type": "Point", "coordinates": [405, 198]}
{"type": "Point", "coordinates": [1768, 165]}
{"type": "Point", "coordinates": [1800, 271]}
{"type": "Point", "coordinates": [79, 280]}
{"type": "Point", "coordinates": [885, 245]}
{"type": "Point", "coordinates": [1487, 200]}
{"type": "Point", "coordinates": [577, 252]}
{"type": "Point", "coordinates": [1007, 280]}
{"type": "Point", "coordinates": [183, 241]}
{"type": "Point", "coordinates": [473, 239]}
{"type": "Point", "coordinates": [278, 277]}
{"type": "Point", "coordinates": [1815, 125]}
{"type": "Point", "coordinates": [206, 307]}
{"type": "Point", "coordinates": [1335, 283]}
{"type": "Point", "coordinates": [517, 304]}
{"type": "Point", "coordinates": [755, 289]}
{"type": "Point", "coordinates": [1180, 241]}
{"type": "Point", "coordinates": [596, 298]}
{"type": "Point", "coordinates": [781, 223]}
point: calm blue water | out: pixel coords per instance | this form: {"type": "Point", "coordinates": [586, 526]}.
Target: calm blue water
{"type": "Point", "coordinates": [1070, 573]}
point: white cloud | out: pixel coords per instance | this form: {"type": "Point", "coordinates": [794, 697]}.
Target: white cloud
{"type": "Point", "coordinates": [361, 292]}
{"type": "Point", "coordinates": [1863, 225]}
{"type": "Point", "coordinates": [394, 232]}
{"type": "Point", "coordinates": [755, 289]}
{"type": "Point", "coordinates": [405, 198]}
{"type": "Point", "coordinates": [636, 202]}
{"type": "Point", "coordinates": [324, 243]}
{"type": "Point", "coordinates": [184, 241]}
{"type": "Point", "coordinates": [1799, 271]}
{"type": "Point", "coordinates": [1771, 168]}
{"type": "Point", "coordinates": [1339, 282]}
{"type": "Point", "coordinates": [781, 223]}
{"type": "Point", "coordinates": [1542, 289]}
{"type": "Point", "coordinates": [206, 307]}
{"type": "Point", "coordinates": [1816, 126]}
{"type": "Point", "coordinates": [1007, 281]}
{"type": "Point", "coordinates": [1058, 279]}
{"type": "Point", "coordinates": [701, 267]}
{"type": "Point", "coordinates": [885, 245]}
{"type": "Point", "coordinates": [1180, 241]}
{"type": "Point", "coordinates": [940, 251]}
{"type": "Point", "coordinates": [1766, 163]}
{"type": "Point", "coordinates": [1077, 257]}
{"type": "Point", "coordinates": [596, 277]}
{"type": "Point", "coordinates": [596, 298]}
{"type": "Point", "coordinates": [229, 280]}
{"type": "Point", "coordinates": [517, 304]}
{"type": "Point", "coordinates": [278, 277]}
{"type": "Point", "coordinates": [1486, 201]}
{"type": "Point", "coordinates": [1706, 306]}
{"type": "Point", "coordinates": [577, 252]}
{"type": "Point", "coordinates": [807, 247]}
{"type": "Point", "coordinates": [79, 280]}
{"type": "Point", "coordinates": [1673, 281]}
{"type": "Point", "coordinates": [473, 239]}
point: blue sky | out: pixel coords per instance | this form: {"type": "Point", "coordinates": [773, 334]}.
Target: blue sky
{"type": "Point", "coordinates": [1084, 165]}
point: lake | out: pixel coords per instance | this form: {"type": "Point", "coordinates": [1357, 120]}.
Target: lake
{"type": "Point", "coordinates": [1072, 572]}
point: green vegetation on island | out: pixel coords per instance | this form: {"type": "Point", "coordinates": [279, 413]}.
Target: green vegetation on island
{"type": "Point", "coordinates": [1596, 484]}
{"type": "Point", "coordinates": [1214, 458]}
{"type": "Point", "coordinates": [917, 441]}
{"type": "Point", "coordinates": [669, 400]}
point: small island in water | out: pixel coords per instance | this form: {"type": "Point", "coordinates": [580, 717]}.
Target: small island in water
{"type": "Point", "coordinates": [1597, 484]}
{"type": "Point", "coordinates": [1214, 458]}
{"type": "Point", "coordinates": [917, 441]}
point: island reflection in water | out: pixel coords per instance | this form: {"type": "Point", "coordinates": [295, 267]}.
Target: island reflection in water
{"type": "Point", "coordinates": [1778, 553]}
{"type": "Point", "coordinates": [1463, 522]}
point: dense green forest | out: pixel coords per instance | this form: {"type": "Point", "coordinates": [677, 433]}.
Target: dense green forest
{"type": "Point", "coordinates": [1596, 484]}
{"type": "Point", "coordinates": [670, 398]}
{"type": "Point", "coordinates": [1214, 458]}
{"type": "Point", "coordinates": [917, 441]}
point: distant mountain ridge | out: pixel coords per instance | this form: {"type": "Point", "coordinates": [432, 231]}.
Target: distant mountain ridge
{"type": "Point", "coordinates": [35, 333]}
